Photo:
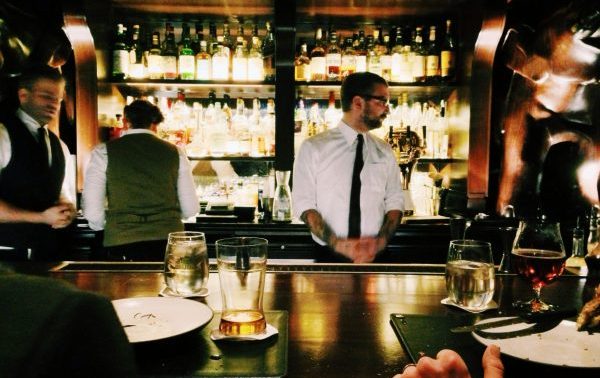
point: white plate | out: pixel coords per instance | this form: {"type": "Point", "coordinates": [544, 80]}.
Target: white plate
{"type": "Point", "coordinates": [155, 318]}
{"type": "Point", "coordinates": [560, 346]}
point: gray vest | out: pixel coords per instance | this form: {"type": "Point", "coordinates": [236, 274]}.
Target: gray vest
{"type": "Point", "coordinates": [141, 187]}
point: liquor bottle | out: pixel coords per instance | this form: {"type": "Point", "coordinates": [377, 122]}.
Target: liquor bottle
{"type": "Point", "coordinates": [302, 64]}
{"type": "Point", "coordinates": [187, 60]}
{"type": "Point", "coordinates": [169, 54]}
{"type": "Point", "coordinates": [220, 64]}
{"type": "Point", "coordinates": [360, 49]}
{"type": "Point", "coordinates": [373, 60]}
{"type": "Point", "coordinates": [448, 55]}
{"type": "Point", "coordinates": [212, 38]}
{"type": "Point", "coordinates": [333, 58]}
{"type": "Point", "coordinates": [228, 43]}
{"type": "Point", "coordinates": [432, 60]}
{"type": "Point", "coordinates": [257, 133]}
{"type": "Point", "coordinates": [136, 55]}
{"type": "Point", "coordinates": [593, 237]}
{"type": "Point", "coordinates": [255, 61]}
{"type": "Point", "coordinates": [268, 53]}
{"type": "Point", "coordinates": [348, 59]}
{"type": "Point", "coordinates": [240, 128]}
{"type": "Point", "coordinates": [120, 54]}
{"type": "Point", "coordinates": [418, 56]}
{"type": "Point", "coordinates": [239, 65]}
{"type": "Point", "coordinates": [155, 59]}
{"type": "Point", "coordinates": [203, 63]}
{"type": "Point", "coordinates": [578, 248]}
{"type": "Point", "coordinates": [386, 59]}
{"type": "Point", "coordinates": [199, 36]}
{"type": "Point", "coordinates": [332, 116]}
{"type": "Point", "coordinates": [268, 127]}
{"type": "Point", "coordinates": [318, 66]}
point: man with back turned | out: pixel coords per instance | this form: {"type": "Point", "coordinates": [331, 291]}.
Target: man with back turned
{"type": "Point", "coordinates": [347, 185]}
{"type": "Point", "coordinates": [35, 199]}
{"type": "Point", "coordinates": [138, 188]}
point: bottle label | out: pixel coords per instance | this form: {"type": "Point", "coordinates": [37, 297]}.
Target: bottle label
{"type": "Point", "coordinates": [432, 65]}
{"type": "Point", "coordinates": [203, 69]}
{"type": "Point", "coordinates": [361, 63]}
{"type": "Point", "coordinates": [418, 66]}
{"type": "Point", "coordinates": [170, 67]}
{"type": "Point", "coordinates": [255, 69]}
{"type": "Point", "coordinates": [120, 62]}
{"type": "Point", "coordinates": [447, 63]}
{"type": "Point", "coordinates": [318, 68]}
{"type": "Point", "coordinates": [155, 66]}
{"type": "Point", "coordinates": [186, 66]}
{"type": "Point", "coordinates": [239, 69]}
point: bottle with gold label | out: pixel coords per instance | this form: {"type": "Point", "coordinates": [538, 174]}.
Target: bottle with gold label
{"type": "Point", "coordinates": [448, 55]}
{"type": "Point", "coordinates": [302, 64]}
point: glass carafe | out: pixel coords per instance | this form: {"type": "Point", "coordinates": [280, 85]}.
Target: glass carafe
{"type": "Point", "coordinates": [282, 201]}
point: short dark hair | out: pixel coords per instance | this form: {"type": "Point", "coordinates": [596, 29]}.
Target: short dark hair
{"type": "Point", "coordinates": [142, 114]}
{"type": "Point", "coordinates": [31, 74]}
{"type": "Point", "coordinates": [356, 84]}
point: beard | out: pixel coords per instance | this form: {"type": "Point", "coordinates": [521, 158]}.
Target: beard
{"type": "Point", "coordinates": [373, 122]}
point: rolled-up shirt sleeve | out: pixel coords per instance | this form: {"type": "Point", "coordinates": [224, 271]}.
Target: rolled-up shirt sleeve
{"type": "Point", "coordinates": [94, 188]}
{"type": "Point", "coordinates": [394, 196]}
{"type": "Point", "coordinates": [304, 192]}
{"type": "Point", "coordinates": [186, 190]}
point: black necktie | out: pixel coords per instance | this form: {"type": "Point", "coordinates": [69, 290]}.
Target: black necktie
{"type": "Point", "coordinates": [354, 218]}
{"type": "Point", "coordinates": [42, 139]}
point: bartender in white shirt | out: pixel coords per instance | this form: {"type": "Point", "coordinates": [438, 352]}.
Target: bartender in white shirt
{"type": "Point", "coordinates": [352, 203]}
{"type": "Point", "coordinates": [138, 188]}
{"type": "Point", "coordinates": [36, 194]}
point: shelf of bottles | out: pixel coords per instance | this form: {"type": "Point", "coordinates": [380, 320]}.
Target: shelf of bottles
{"type": "Point", "coordinates": [417, 61]}
{"type": "Point", "coordinates": [215, 91]}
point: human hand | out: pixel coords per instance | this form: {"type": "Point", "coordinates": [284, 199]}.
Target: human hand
{"type": "Point", "coordinates": [59, 215]}
{"type": "Point", "coordinates": [360, 250]}
{"type": "Point", "coordinates": [449, 364]}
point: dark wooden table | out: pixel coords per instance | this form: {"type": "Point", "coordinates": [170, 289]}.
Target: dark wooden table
{"type": "Point", "coordinates": [338, 320]}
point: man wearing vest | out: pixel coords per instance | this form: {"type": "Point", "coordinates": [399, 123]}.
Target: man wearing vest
{"type": "Point", "coordinates": [35, 199]}
{"type": "Point", "coordinates": [138, 188]}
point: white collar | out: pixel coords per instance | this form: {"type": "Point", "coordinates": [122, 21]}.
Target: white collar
{"type": "Point", "coordinates": [31, 124]}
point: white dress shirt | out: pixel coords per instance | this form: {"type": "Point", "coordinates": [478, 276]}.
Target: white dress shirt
{"type": "Point", "coordinates": [94, 186]}
{"type": "Point", "coordinates": [323, 178]}
{"type": "Point", "coordinates": [68, 185]}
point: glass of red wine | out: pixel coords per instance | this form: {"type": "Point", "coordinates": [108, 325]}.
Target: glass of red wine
{"type": "Point", "coordinates": [538, 255]}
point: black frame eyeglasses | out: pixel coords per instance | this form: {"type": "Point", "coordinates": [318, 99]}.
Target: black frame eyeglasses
{"type": "Point", "coordinates": [383, 101]}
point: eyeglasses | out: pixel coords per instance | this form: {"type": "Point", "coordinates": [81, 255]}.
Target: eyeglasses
{"type": "Point", "coordinates": [383, 101]}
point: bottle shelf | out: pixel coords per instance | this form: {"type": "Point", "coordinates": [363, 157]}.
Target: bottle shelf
{"type": "Point", "coordinates": [194, 88]}
{"type": "Point", "coordinates": [232, 158]}
{"type": "Point", "coordinates": [321, 89]}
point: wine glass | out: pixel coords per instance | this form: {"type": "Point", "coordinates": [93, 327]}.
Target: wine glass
{"type": "Point", "coordinates": [186, 263]}
{"type": "Point", "coordinates": [538, 255]}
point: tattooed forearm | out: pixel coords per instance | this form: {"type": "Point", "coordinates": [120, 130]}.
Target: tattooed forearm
{"type": "Point", "coordinates": [390, 223]}
{"type": "Point", "coordinates": [318, 226]}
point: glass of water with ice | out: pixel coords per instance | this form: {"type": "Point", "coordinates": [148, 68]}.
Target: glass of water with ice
{"type": "Point", "coordinates": [470, 274]}
{"type": "Point", "coordinates": [186, 263]}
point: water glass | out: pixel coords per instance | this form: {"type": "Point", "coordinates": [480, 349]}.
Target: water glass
{"type": "Point", "coordinates": [242, 264]}
{"type": "Point", "coordinates": [186, 263]}
{"type": "Point", "coordinates": [470, 274]}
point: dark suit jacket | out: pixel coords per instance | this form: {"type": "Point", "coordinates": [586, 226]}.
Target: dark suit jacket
{"type": "Point", "coordinates": [51, 329]}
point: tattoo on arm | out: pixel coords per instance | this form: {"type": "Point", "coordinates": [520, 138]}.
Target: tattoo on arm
{"type": "Point", "coordinates": [390, 223]}
{"type": "Point", "coordinates": [317, 225]}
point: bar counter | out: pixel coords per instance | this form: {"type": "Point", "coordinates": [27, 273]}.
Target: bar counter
{"type": "Point", "coordinates": [339, 315]}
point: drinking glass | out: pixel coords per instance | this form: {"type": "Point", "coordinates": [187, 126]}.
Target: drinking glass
{"type": "Point", "coordinates": [186, 263]}
{"type": "Point", "coordinates": [242, 264]}
{"type": "Point", "coordinates": [538, 256]}
{"type": "Point", "coordinates": [470, 274]}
